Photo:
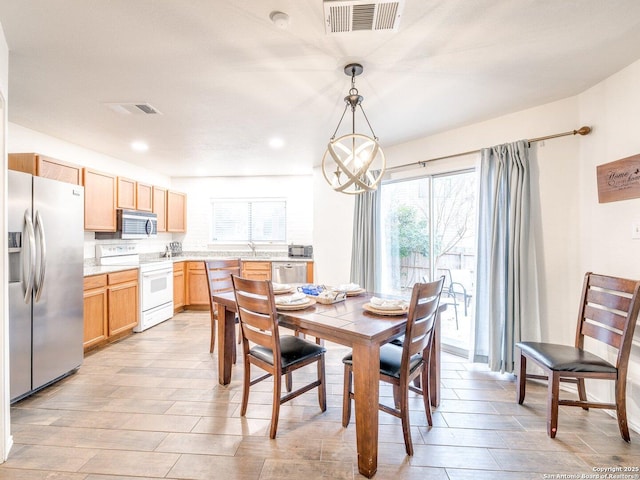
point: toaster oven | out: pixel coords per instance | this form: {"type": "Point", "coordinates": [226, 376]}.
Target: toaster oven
{"type": "Point", "coordinates": [300, 251]}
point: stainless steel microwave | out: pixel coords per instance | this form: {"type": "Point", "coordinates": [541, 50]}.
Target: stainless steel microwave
{"type": "Point", "coordinates": [301, 251]}
{"type": "Point", "coordinates": [133, 224]}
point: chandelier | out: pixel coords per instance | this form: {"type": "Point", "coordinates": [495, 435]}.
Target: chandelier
{"type": "Point", "coordinates": [353, 163]}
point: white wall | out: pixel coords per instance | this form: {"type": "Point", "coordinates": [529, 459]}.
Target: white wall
{"type": "Point", "coordinates": [332, 231]}
{"type": "Point", "coordinates": [6, 439]}
{"type": "Point", "coordinates": [296, 189]}
{"type": "Point", "coordinates": [611, 107]}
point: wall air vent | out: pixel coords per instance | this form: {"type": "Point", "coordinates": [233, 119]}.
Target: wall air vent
{"type": "Point", "coordinates": [136, 108]}
{"type": "Point", "coordinates": [342, 16]}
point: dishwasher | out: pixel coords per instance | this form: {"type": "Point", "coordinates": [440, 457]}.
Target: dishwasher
{"type": "Point", "coordinates": [289, 272]}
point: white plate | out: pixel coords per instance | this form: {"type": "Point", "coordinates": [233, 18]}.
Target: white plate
{"type": "Point", "coordinates": [388, 304]}
{"type": "Point", "coordinates": [354, 293]}
{"type": "Point", "coordinates": [370, 308]}
{"type": "Point", "coordinates": [296, 306]}
{"type": "Point", "coordinates": [284, 290]}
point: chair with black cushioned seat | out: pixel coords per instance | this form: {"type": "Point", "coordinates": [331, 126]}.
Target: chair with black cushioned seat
{"type": "Point", "coordinates": [277, 355]}
{"type": "Point", "coordinates": [399, 365]}
{"type": "Point", "coordinates": [608, 313]}
{"type": "Point", "coordinates": [219, 281]}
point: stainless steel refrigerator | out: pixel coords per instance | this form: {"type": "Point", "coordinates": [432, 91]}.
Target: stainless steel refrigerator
{"type": "Point", "coordinates": [46, 251]}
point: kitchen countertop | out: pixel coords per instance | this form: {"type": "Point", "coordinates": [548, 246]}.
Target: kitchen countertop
{"type": "Point", "coordinates": [101, 269]}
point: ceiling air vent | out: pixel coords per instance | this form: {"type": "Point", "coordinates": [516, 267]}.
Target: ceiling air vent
{"type": "Point", "coordinates": [356, 15]}
{"type": "Point", "coordinates": [141, 108]}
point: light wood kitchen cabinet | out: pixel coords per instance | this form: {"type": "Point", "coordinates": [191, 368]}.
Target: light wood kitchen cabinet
{"type": "Point", "coordinates": [144, 197]}
{"type": "Point", "coordinates": [95, 311]}
{"type": "Point", "coordinates": [176, 211]}
{"type": "Point", "coordinates": [178, 286]}
{"type": "Point", "coordinates": [197, 289]}
{"type": "Point", "coordinates": [99, 201]}
{"type": "Point", "coordinates": [134, 195]}
{"type": "Point", "coordinates": [122, 300]}
{"type": "Point", "coordinates": [256, 270]}
{"type": "Point", "coordinates": [160, 207]}
{"type": "Point", "coordinates": [47, 167]}
{"type": "Point", "coordinates": [309, 272]}
{"type": "Point", "coordinates": [110, 306]}
{"type": "Point", "coordinates": [126, 193]}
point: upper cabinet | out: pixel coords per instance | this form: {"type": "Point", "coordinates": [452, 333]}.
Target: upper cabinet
{"type": "Point", "coordinates": [104, 193]}
{"type": "Point", "coordinates": [126, 193]}
{"type": "Point", "coordinates": [133, 195]}
{"type": "Point", "coordinates": [160, 207]}
{"type": "Point", "coordinates": [99, 201]}
{"type": "Point", "coordinates": [176, 212]}
{"type": "Point", "coordinates": [144, 197]}
{"type": "Point", "coordinates": [47, 167]}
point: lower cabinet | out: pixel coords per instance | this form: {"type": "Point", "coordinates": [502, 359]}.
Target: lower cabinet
{"type": "Point", "coordinates": [110, 306]}
{"type": "Point", "coordinates": [256, 270]}
{"type": "Point", "coordinates": [190, 290]}
{"type": "Point", "coordinates": [309, 272]}
{"type": "Point", "coordinates": [95, 311]}
{"type": "Point", "coordinates": [123, 301]}
{"type": "Point", "coordinates": [259, 270]}
{"type": "Point", "coordinates": [178, 287]}
{"type": "Point", "coordinates": [196, 285]}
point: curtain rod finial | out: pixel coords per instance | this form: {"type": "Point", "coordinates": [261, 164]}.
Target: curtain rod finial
{"type": "Point", "coordinates": [583, 131]}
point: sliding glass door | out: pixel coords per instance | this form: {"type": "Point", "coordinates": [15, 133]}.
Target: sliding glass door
{"type": "Point", "coordinates": [428, 229]}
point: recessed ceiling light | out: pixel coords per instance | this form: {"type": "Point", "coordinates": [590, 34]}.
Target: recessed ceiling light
{"type": "Point", "coordinates": [276, 143]}
{"type": "Point", "coordinates": [139, 146]}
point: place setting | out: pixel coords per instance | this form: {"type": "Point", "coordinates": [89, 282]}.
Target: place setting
{"type": "Point", "coordinates": [350, 289]}
{"type": "Point", "coordinates": [296, 301]}
{"type": "Point", "coordinates": [386, 307]}
{"type": "Point", "coordinates": [282, 288]}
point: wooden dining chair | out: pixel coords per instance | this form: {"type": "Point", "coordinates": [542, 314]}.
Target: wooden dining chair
{"type": "Point", "coordinates": [219, 280]}
{"type": "Point", "coordinates": [608, 313]}
{"type": "Point", "coordinates": [400, 364]}
{"type": "Point", "coordinates": [277, 355]}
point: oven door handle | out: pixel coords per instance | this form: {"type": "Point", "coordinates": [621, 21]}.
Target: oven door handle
{"type": "Point", "coordinates": [157, 274]}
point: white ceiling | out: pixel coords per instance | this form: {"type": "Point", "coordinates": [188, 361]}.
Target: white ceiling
{"type": "Point", "coordinates": [227, 80]}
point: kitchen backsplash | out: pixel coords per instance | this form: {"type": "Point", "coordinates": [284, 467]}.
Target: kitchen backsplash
{"type": "Point", "coordinates": [152, 249]}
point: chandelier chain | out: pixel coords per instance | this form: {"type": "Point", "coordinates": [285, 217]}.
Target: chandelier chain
{"type": "Point", "coordinates": [367, 119]}
{"type": "Point", "coordinates": [333, 137]}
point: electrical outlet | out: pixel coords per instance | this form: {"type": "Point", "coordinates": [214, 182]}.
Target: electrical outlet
{"type": "Point", "coordinates": [635, 231]}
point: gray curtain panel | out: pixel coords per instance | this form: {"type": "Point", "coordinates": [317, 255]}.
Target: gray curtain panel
{"type": "Point", "coordinates": [506, 284]}
{"type": "Point", "coordinates": [363, 247]}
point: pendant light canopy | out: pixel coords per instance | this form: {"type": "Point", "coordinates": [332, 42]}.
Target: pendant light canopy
{"type": "Point", "coordinates": [353, 163]}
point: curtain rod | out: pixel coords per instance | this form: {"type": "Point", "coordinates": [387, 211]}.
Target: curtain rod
{"type": "Point", "coordinates": [581, 131]}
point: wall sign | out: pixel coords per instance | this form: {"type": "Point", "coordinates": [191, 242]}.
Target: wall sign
{"type": "Point", "coordinates": [619, 180]}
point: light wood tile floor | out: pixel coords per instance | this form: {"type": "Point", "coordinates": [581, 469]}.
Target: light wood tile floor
{"type": "Point", "coordinates": [150, 407]}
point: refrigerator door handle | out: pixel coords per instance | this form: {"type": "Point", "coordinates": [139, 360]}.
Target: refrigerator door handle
{"type": "Point", "coordinates": [28, 268]}
{"type": "Point", "coordinates": [42, 245]}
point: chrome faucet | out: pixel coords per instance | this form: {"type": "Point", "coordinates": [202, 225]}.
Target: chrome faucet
{"type": "Point", "coordinates": [252, 246]}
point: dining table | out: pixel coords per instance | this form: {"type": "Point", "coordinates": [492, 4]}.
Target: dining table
{"type": "Point", "coordinates": [346, 323]}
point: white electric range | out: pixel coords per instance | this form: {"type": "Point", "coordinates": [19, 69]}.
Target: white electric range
{"type": "Point", "coordinates": [155, 282]}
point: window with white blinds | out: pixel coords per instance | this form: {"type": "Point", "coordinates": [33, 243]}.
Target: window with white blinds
{"type": "Point", "coordinates": [249, 220]}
